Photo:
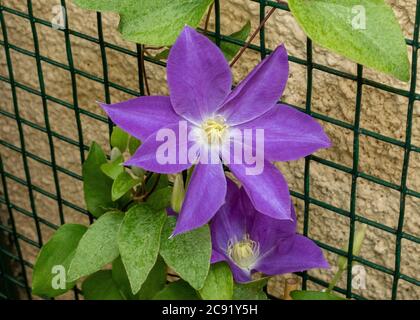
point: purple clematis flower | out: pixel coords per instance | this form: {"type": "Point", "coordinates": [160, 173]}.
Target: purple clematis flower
{"type": "Point", "coordinates": [250, 241]}
{"type": "Point", "coordinates": [202, 104]}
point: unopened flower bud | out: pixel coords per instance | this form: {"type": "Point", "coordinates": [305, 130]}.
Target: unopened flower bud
{"type": "Point", "coordinates": [178, 193]}
{"type": "Point", "coordinates": [115, 153]}
{"type": "Point", "coordinates": [359, 236]}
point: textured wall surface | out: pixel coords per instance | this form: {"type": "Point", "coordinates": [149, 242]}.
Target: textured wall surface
{"type": "Point", "coordinates": [382, 112]}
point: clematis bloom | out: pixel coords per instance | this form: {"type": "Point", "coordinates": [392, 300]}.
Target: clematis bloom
{"type": "Point", "coordinates": [202, 104]}
{"type": "Point", "coordinates": [250, 241]}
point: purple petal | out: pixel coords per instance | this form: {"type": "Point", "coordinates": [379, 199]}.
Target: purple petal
{"type": "Point", "coordinates": [288, 133]}
{"type": "Point", "coordinates": [205, 195]}
{"type": "Point", "coordinates": [294, 254]}
{"type": "Point", "coordinates": [263, 229]}
{"type": "Point", "coordinates": [240, 275]}
{"type": "Point", "coordinates": [229, 222]}
{"type": "Point", "coordinates": [268, 190]}
{"type": "Point", "coordinates": [164, 151]}
{"type": "Point", "coordinates": [216, 256]}
{"type": "Point", "coordinates": [142, 116]}
{"type": "Point", "coordinates": [259, 91]}
{"type": "Point", "coordinates": [199, 77]}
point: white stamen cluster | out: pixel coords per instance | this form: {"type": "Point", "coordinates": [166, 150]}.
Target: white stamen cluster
{"type": "Point", "coordinates": [244, 252]}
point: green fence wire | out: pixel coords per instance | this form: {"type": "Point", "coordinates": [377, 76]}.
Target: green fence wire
{"type": "Point", "coordinates": [11, 256]}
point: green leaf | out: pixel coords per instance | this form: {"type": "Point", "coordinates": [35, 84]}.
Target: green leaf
{"type": "Point", "coordinates": [162, 183]}
{"type": "Point", "coordinates": [335, 25]}
{"type": "Point", "coordinates": [101, 286]}
{"type": "Point", "coordinates": [314, 295]}
{"type": "Point", "coordinates": [113, 168]}
{"type": "Point", "coordinates": [157, 22]}
{"type": "Point", "coordinates": [119, 139]}
{"type": "Point", "coordinates": [133, 145]}
{"type": "Point", "coordinates": [122, 184]}
{"type": "Point", "coordinates": [163, 55]}
{"type": "Point", "coordinates": [100, 5]}
{"type": "Point", "coordinates": [97, 247]}
{"type": "Point", "coordinates": [188, 254]}
{"type": "Point", "coordinates": [359, 236]}
{"type": "Point", "coordinates": [251, 290]}
{"type": "Point", "coordinates": [155, 281]}
{"type": "Point", "coordinates": [179, 290]}
{"type": "Point", "coordinates": [139, 241]}
{"type": "Point", "coordinates": [219, 283]}
{"type": "Point", "coordinates": [160, 199]}
{"type": "Point", "coordinates": [119, 275]}
{"type": "Point", "coordinates": [230, 49]}
{"type": "Point", "coordinates": [58, 251]}
{"type": "Point", "coordinates": [96, 185]}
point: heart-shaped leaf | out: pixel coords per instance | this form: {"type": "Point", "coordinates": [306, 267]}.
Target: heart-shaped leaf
{"type": "Point", "coordinates": [156, 22]}
{"type": "Point", "coordinates": [219, 283]}
{"type": "Point", "coordinates": [139, 241]}
{"type": "Point", "coordinates": [101, 286]}
{"type": "Point", "coordinates": [365, 31]}
{"type": "Point", "coordinates": [97, 247]}
{"type": "Point", "coordinates": [188, 253]}
{"type": "Point", "coordinates": [96, 184]}
{"type": "Point", "coordinates": [55, 256]}
{"type": "Point", "coordinates": [154, 283]}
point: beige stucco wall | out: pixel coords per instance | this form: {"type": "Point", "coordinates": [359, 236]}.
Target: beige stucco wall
{"type": "Point", "coordinates": [382, 112]}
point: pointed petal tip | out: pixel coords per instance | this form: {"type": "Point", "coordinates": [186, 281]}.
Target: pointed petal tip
{"type": "Point", "coordinates": [188, 31]}
{"type": "Point", "coordinates": [177, 232]}
{"type": "Point", "coordinates": [325, 265]}
{"type": "Point", "coordinates": [188, 28]}
{"type": "Point", "coordinates": [103, 105]}
{"type": "Point", "coordinates": [281, 51]}
{"type": "Point", "coordinates": [128, 163]}
{"type": "Point", "coordinates": [328, 142]}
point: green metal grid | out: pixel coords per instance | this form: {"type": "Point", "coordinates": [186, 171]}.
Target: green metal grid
{"type": "Point", "coordinates": [10, 250]}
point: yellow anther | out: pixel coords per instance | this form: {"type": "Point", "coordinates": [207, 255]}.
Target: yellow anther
{"type": "Point", "coordinates": [215, 130]}
{"type": "Point", "coordinates": [244, 253]}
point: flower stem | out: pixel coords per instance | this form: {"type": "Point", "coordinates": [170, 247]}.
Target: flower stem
{"type": "Point", "coordinates": [206, 24]}
{"type": "Point", "coordinates": [334, 280]}
{"type": "Point", "coordinates": [143, 68]}
{"type": "Point", "coordinates": [247, 44]}
{"type": "Point", "coordinates": [241, 52]}
{"type": "Point", "coordinates": [153, 187]}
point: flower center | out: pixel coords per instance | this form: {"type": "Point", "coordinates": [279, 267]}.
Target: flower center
{"type": "Point", "coordinates": [245, 252]}
{"type": "Point", "coordinates": [214, 130]}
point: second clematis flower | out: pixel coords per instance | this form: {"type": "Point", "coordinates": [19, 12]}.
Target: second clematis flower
{"type": "Point", "coordinates": [203, 106]}
{"type": "Point", "coordinates": [250, 241]}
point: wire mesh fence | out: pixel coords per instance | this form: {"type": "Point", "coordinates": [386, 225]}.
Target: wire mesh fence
{"type": "Point", "coordinates": [11, 239]}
